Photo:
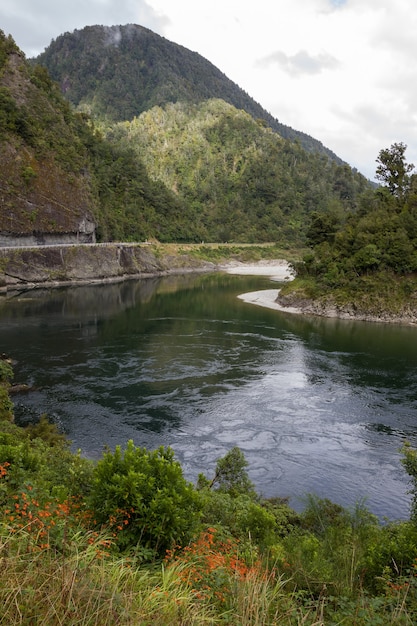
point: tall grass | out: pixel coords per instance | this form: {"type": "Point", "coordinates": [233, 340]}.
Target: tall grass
{"type": "Point", "coordinates": [82, 585]}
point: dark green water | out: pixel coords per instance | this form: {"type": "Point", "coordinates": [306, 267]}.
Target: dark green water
{"type": "Point", "coordinates": [316, 405]}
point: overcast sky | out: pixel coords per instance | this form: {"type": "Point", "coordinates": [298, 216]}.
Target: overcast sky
{"type": "Point", "coordinates": [343, 71]}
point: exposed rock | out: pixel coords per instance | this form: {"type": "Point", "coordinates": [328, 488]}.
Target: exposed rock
{"type": "Point", "coordinates": [348, 311]}
{"type": "Point", "coordinates": [80, 264]}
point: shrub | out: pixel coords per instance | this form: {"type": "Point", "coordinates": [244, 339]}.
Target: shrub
{"type": "Point", "coordinates": [230, 475]}
{"type": "Point", "coordinates": [409, 461]}
{"type": "Point", "coordinates": [145, 498]}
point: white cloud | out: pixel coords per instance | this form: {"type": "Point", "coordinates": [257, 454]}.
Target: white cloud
{"type": "Point", "coordinates": [342, 71]}
{"type": "Point", "coordinates": [299, 63]}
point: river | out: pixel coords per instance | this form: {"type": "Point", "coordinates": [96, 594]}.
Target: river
{"type": "Point", "coordinates": [317, 405]}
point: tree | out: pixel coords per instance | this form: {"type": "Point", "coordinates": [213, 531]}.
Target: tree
{"type": "Point", "coordinates": [322, 228]}
{"type": "Point", "coordinates": [230, 475]}
{"type": "Point", "coordinates": [393, 170]}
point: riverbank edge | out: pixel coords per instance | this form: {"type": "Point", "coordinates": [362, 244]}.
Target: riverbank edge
{"type": "Point", "coordinates": [271, 298]}
{"type": "Point", "coordinates": [57, 266]}
{"type": "Point", "coordinates": [23, 269]}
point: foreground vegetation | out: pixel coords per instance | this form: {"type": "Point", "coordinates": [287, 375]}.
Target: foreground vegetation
{"type": "Point", "coordinates": [127, 540]}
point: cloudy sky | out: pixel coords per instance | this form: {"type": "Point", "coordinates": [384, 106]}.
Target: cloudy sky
{"type": "Point", "coordinates": [343, 71]}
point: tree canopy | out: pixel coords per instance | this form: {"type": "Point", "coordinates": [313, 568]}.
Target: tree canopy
{"type": "Point", "coordinates": [393, 170]}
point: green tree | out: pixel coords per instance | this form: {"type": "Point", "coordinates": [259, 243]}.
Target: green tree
{"type": "Point", "coordinates": [230, 475]}
{"type": "Point", "coordinates": [393, 170]}
{"type": "Point", "coordinates": [322, 228]}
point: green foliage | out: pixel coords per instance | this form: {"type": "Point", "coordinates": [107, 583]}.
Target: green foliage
{"type": "Point", "coordinates": [47, 431]}
{"type": "Point", "coordinates": [243, 560]}
{"type": "Point", "coordinates": [393, 170]}
{"type": "Point", "coordinates": [230, 475]}
{"type": "Point", "coordinates": [7, 47]}
{"type": "Point", "coordinates": [238, 180]}
{"type": "Point", "coordinates": [6, 371]}
{"type": "Point", "coordinates": [6, 376]}
{"type": "Point", "coordinates": [9, 116]}
{"type": "Point", "coordinates": [367, 260]}
{"type": "Point", "coordinates": [6, 405]}
{"type": "Point", "coordinates": [332, 547]}
{"type": "Point", "coordinates": [240, 515]}
{"type": "Point", "coordinates": [144, 495]}
{"type": "Point", "coordinates": [40, 457]}
{"type": "Point", "coordinates": [119, 72]}
{"type": "Point", "coordinates": [409, 462]}
{"type": "Point", "coordinates": [195, 165]}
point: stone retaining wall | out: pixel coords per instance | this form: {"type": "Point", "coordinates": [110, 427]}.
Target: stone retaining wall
{"type": "Point", "coordinates": [78, 264]}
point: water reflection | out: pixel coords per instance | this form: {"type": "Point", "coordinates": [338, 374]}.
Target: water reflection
{"type": "Point", "coordinates": [316, 405]}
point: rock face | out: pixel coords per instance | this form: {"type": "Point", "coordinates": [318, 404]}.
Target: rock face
{"type": "Point", "coordinates": [74, 264]}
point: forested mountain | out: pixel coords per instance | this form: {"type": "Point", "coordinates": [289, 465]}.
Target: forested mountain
{"type": "Point", "coordinates": [189, 170]}
{"type": "Point", "coordinates": [42, 159]}
{"type": "Point", "coordinates": [59, 179]}
{"type": "Point", "coordinates": [121, 71]}
{"type": "Point", "coordinates": [240, 180]}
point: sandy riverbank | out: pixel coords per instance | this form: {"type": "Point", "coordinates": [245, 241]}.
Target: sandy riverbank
{"type": "Point", "coordinates": [281, 271]}
{"type": "Point", "coordinates": [267, 298]}
{"type": "Point", "coordinates": [276, 270]}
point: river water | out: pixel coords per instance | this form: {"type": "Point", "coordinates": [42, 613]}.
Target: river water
{"type": "Point", "coordinates": [317, 405]}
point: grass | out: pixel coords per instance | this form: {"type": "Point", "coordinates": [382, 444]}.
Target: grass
{"type": "Point", "coordinates": [84, 586]}
{"type": "Point", "coordinates": [223, 252]}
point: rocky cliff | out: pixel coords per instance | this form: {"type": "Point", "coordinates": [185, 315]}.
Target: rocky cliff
{"type": "Point", "coordinates": [66, 265]}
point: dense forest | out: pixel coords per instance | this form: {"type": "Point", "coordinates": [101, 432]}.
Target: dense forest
{"type": "Point", "coordinates": [220, 167]}
{"type": "Point", "coordinates": [367, 258]}
{"type": "Point", "coordinates": [56, 168]}
{"type": "Point", "coordinates": [119, 72]}
{"type": "Point", "coordinates": [194, 169]}
{"type": "Point", "coordinates": [240, 180]}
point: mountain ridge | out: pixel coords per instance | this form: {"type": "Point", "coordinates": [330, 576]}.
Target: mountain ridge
{"type": "Point", "coordinates": [163, 72]}
{"type": "Point", "coordinates": [221, 176]}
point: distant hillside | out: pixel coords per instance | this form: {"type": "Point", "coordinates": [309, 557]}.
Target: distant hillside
{"type": "Point", "coordinates": [180, 172]}
{"type": "Point", "coordinates": [120, 71]}
{"type": "Point", "coordinates": [239, 180]}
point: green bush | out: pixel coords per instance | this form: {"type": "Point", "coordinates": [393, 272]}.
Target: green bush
{"type": "Point", "coordinates": [145, 499]}
{"type": "Point", "coordinates": [331, 548]}
{"type": "Point", "coordinates": [409, 461]}
{"type": "Point", "coordinates": [46, 465]}
{"type": "Point", "coordinates": [230, 475]}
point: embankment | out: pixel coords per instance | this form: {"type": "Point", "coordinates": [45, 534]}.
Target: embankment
{"type": "Point", "coordinates": [24, 268]}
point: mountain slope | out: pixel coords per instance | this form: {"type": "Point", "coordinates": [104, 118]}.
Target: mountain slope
{"type": "Point", "coordinates": [184, 171]}
{"type": "Point", "coordinates": [43, 184]}
{"type": "Point", "coordinates": [239, 179]}
{"type": "Point", "coordinates": [118, 72]}
{"type": "Point", "coordinates": [60, 180]}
